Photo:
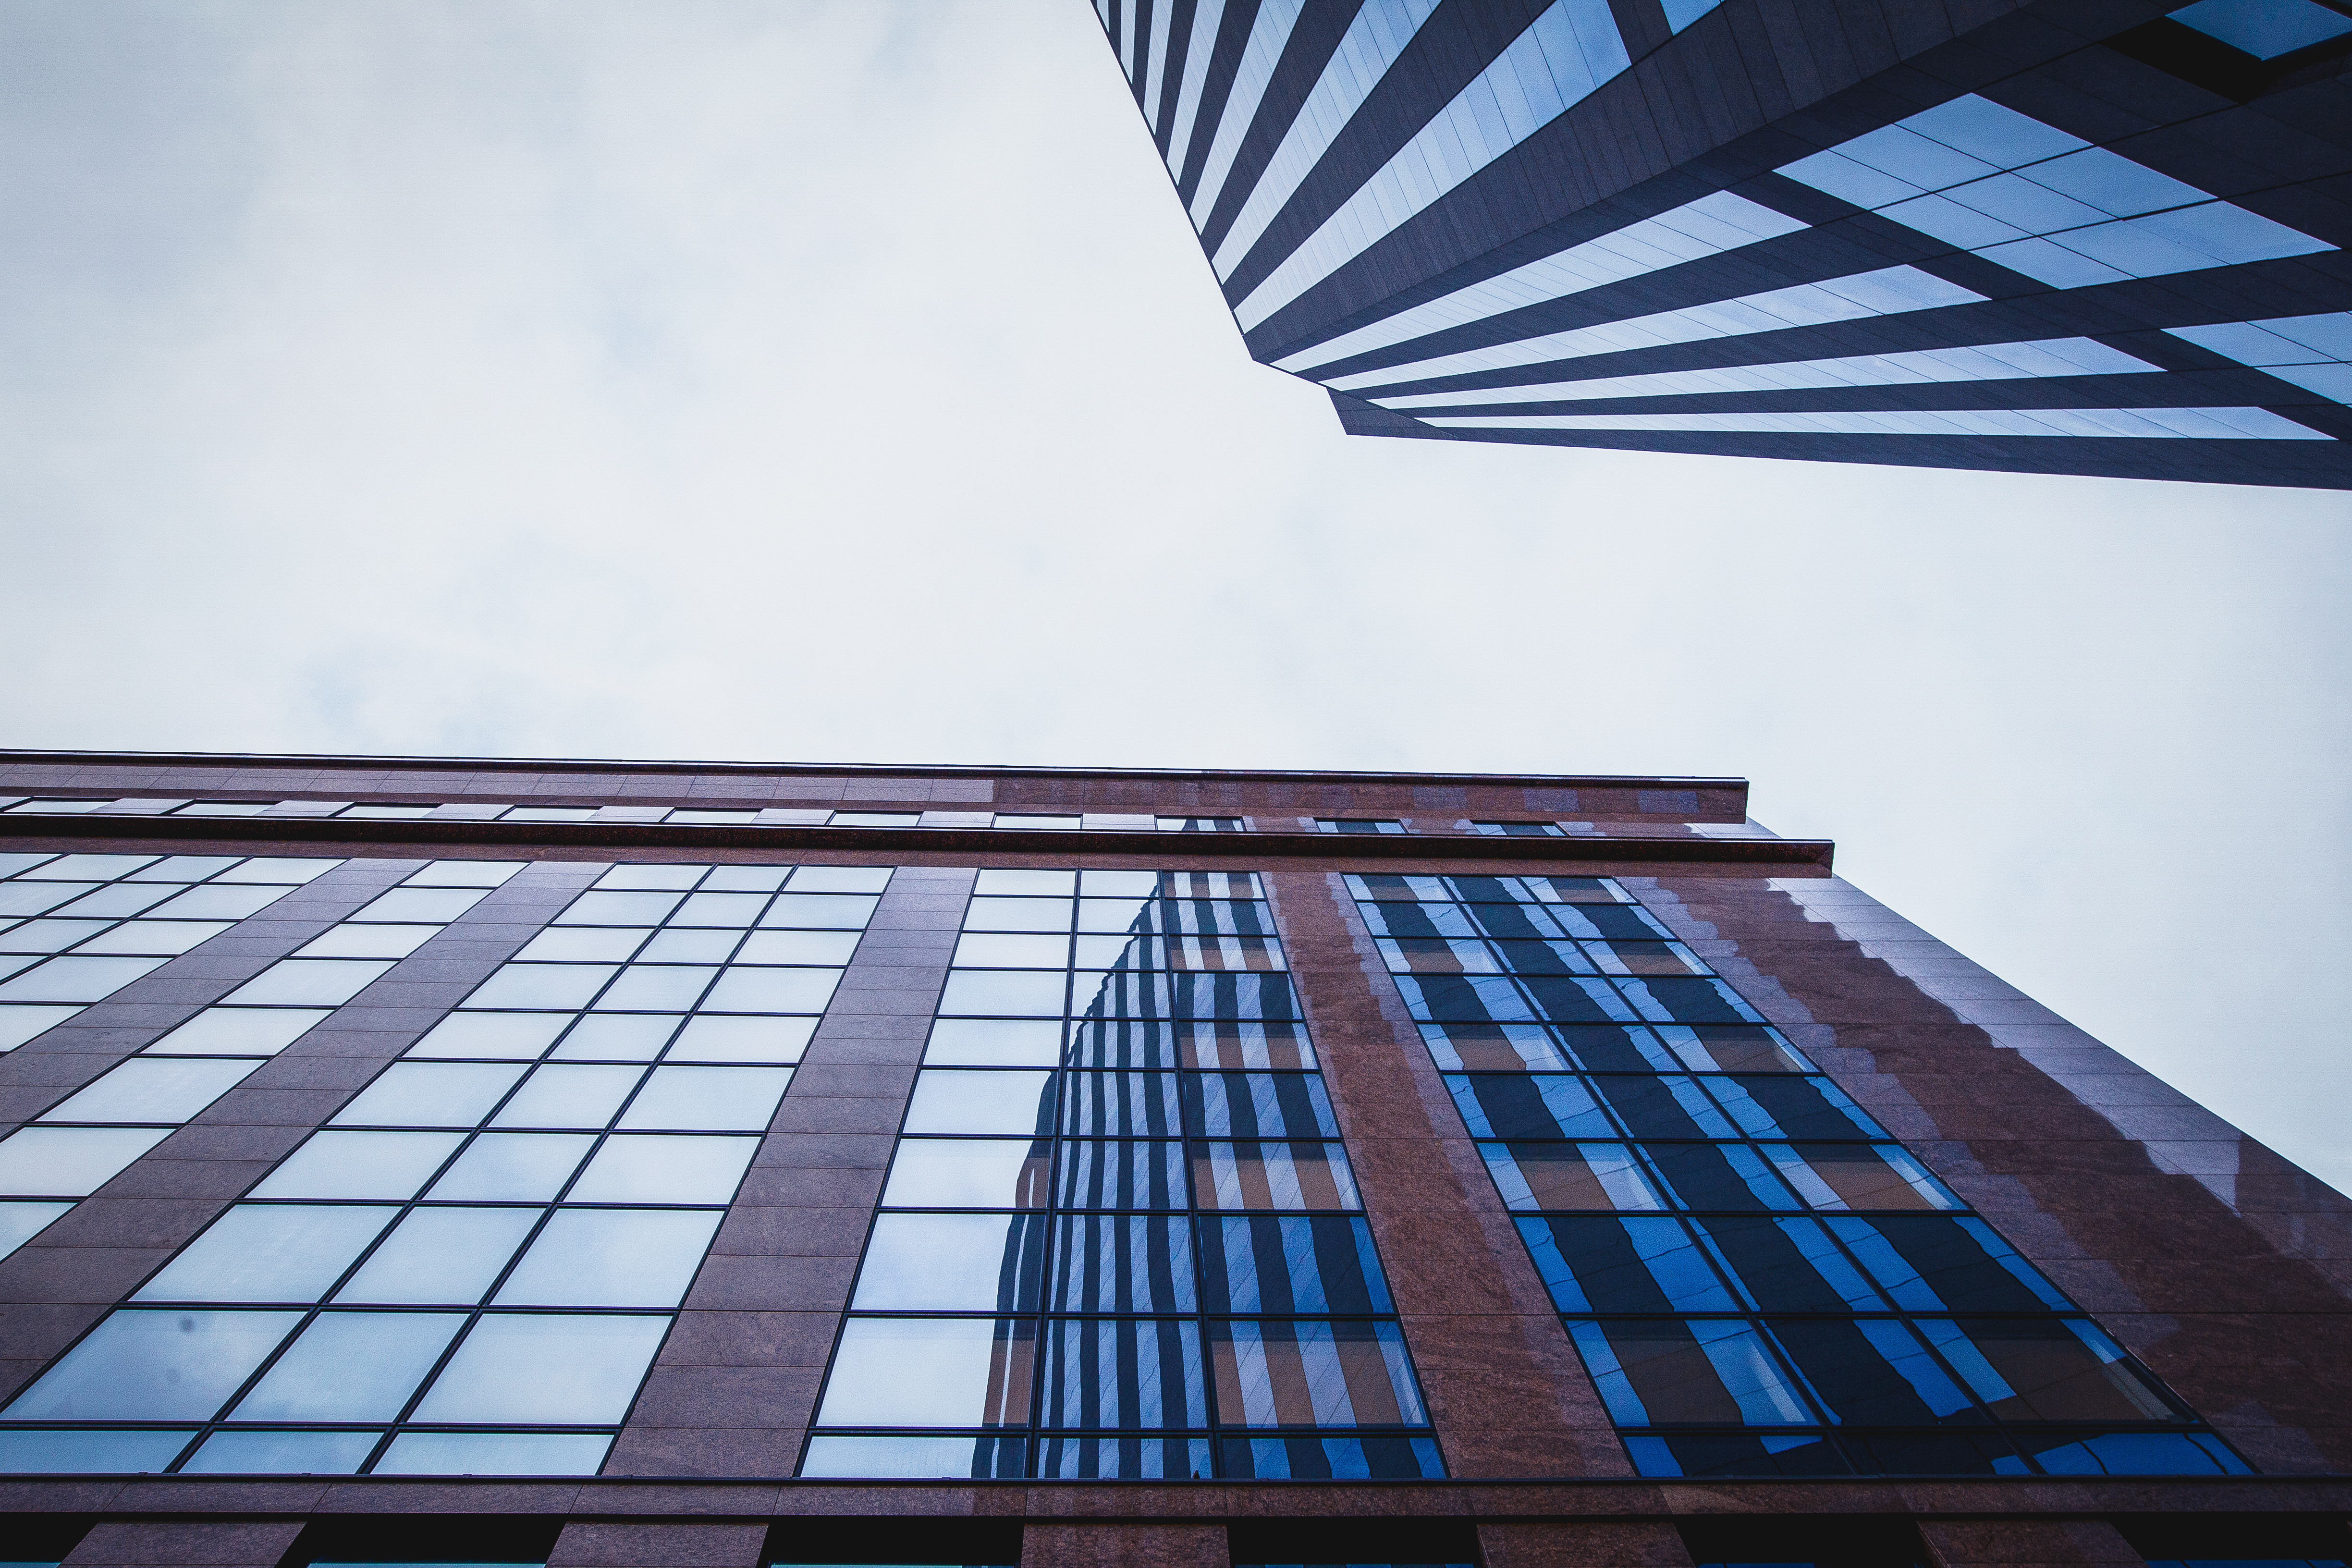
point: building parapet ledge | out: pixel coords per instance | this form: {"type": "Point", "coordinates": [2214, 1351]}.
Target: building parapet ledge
{"type": "Point", "coordinates": [1575, 848]}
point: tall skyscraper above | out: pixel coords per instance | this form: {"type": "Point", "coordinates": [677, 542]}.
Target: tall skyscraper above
{"type": "Point", "coordinates": [2084, 237]}
{"type": "Point", "coordinates": [632, 1166]}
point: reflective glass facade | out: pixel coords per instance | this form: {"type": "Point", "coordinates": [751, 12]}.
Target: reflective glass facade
{"type": "Point", "coordinates": [1910, 239]}
{"type": "Point", "coordinates": [604, 1168]}
{"type": "Point", "coordinates": [1120, 1237]}
{"type": "Point", "coordinates": [1760, 1280]}
{"type": "Point", "coordinates": [469, 1268]}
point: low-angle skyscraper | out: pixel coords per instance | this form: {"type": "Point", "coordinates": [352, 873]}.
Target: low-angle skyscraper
{"type": "Point", "coordinates": [2076, 237]}
{"type": "Point", "coordinates": [587, 1164]}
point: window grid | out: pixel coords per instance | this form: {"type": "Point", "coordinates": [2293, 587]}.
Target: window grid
{"type": "Point", "coordinates": [1160, 1133]}
{"type": "Point", "coordinates": [1731, 1239]}
{"type": "Point", "coordinates": [75, 929]}
{"type": "Point", "coordinates": [1358, 825]}
{"type": "Point", "coordinates": [1519, 829]}
{"type": "Point", "coordinates": [497, 1203]}
{"type": "Point", "coordinates": [91, 1135]}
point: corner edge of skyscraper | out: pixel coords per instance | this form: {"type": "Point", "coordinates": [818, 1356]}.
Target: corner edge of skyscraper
{"type": "Point", "coordinates": [2077, 236]}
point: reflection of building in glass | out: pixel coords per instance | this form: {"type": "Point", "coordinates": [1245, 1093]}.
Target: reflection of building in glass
{"type": "Point", "coordinates": [1773, 230]}
{"type": "Point", "coordinates": [1758, 1277]}
{"type": "Point", "coordinates": [1176, 1274]}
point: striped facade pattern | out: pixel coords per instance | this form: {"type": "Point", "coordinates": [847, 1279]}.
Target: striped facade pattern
{"type": "Point", "coordinates": [2062, 238]}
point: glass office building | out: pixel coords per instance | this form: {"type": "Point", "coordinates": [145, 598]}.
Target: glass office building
{"type": "Point", "coordinates": [576, 1163]}
{"type": "Point", "coordinates": [2060, 237]}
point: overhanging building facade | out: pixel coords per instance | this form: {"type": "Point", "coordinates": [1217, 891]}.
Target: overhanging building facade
{"type": "Point", "coordinates": [2089, 236]}
{"type": "Point", "coordinates": [588, 1164]}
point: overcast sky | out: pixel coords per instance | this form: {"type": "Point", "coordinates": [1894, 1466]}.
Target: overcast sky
{"type": "Point", "coordinates": [841, 382]}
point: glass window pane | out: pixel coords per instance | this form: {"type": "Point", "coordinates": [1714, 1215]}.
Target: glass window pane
{"type": "Point", "coordinates": [833, 947]}
{"type": "Point", "coordinates": [1046, 884]}
{"type": "Point", "coordinates": [967, 1173]}
{"type": "Point", "coordinates": [170, 938]}
{"type": "Point", "coordinates": [569, 1096]}
{"type": "Point", "coordinates": [55, 1452]}
{"type": "Point", "coordinates": [19, 1223]}
{"type": "Point", "coordinates": [307, 982]}
{"type": "Point", "coordinates": [917, 1458]}
{"type": "Point", "coordinates": [1017, 914]}
{"type": "Point", "coordinates": [1656, 1374]}
{"type": "Point", "coordinates": [773, 991]}
{"type": "Point", "coordinates": [744, 1039]}
{"type": "Point", "coordinates": [611, 1257]}
{"type": "Point", "coordinates": [1287, 1264]}
{"type": "Point", "coordinates": [737, 909]}
{"type": "Point", "coordinates": [77, 979]}
{"type": "Point", "coordinates": [618, 1038]}
{"type": "Point", "coordinates": [360, 1165]}
{"type": "Point", "coordinates": [429, 1094]}
{"type": "Point", "coordinates": [930, 1371]}
{"type": "Point", "coordinates": [1121, 1263]}
{"type": "Point", "coordinates": [114, 903]}
{"type": "Point", "coordinates": [20, 1023]}
{"type": "Point", "coordinates": [1308, 1373]}
{"type": "Point", "coordinates": [1115, 1372]}
{"type": "Point", "coordinates": [545, 1368]}
{"type": "Point", "coordinates": [561, 986]}
{"type": "Point", "coordinates": [642, 1168]}
{"type": "Point", "coordinates": [154, 1088]}
{"type": "Point", "coordinates": [678, 945]}
{"type": "Point", "coordinates": [1603, 1264]}
{"type": "Point", "coordinates": [513, 1167]}
{"type": "Point", "coordinates": [749, 878]}
{"type": "Point", "coordinates": [1230, 1177]}
{"type": "Point", "coordinates": [829, 911]}
{"type": "Point", "coordinates": [1006, 993]}
{"type": "Point", "coordinates": [18, 899]}
{"type": "Point", "coordinates": [279, 868]}
{"type": "Point", "coordinates": [240, 1031]}
{"type": "Point", "coordinates": [352, 1366]}
{"type": "Point", "coordinates": [964, 1100]}
{"type": "Point", "coordinates": [999, 949]}
{"type": "Point", "coordinates": [96, 867]}
{"type": "Point", "coordinates": [437, 905]}
{"type": "Point", "coordinates": [2028, 1369]}
{"type": "Point", "coordinates": [440, 1256]}
{"type": "Point", "coordinates": [71, 1161]}
{"type": "Point", "coordinates": [269, 1252]}
{"type": "Point", "coordinates": [1569, 1176]}
{"type": "Point", "coordinates": [467, 873]}
{"type": "Point", "coordinates": [601, 909]}
{"type": "Point", "coordinates": [994, 1042]}
{"type": "Point", "coordinates": [583, 944]}
{"type": "Point", "coordinates": [656, 988]}
{"type": "Point", "coordinates": [281, 1454]}
{"type": "Point", "coordinates": [841, 879]}
{"type": "Point", "coordinates": [707, 1100]}
{"type": "Point", "coordinates": [1129, 1174]}
{"type": "Point", "coordinates": [493, 1454]}
{"type": "Point", "coordinates": [952, 1263]}
{"type": "Point", "coordinates": [219, 901]}
{"type": "Point", "coordinates": [191, 869]}
{"type": "Point", "coordinates": [361, 941]}
{"type": "Point", "coordinates": [508, 1037]}
{"type": "Point", "coordinates": [154, 1366]}
{"type": "Point", "coordinates": [657, 877]}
